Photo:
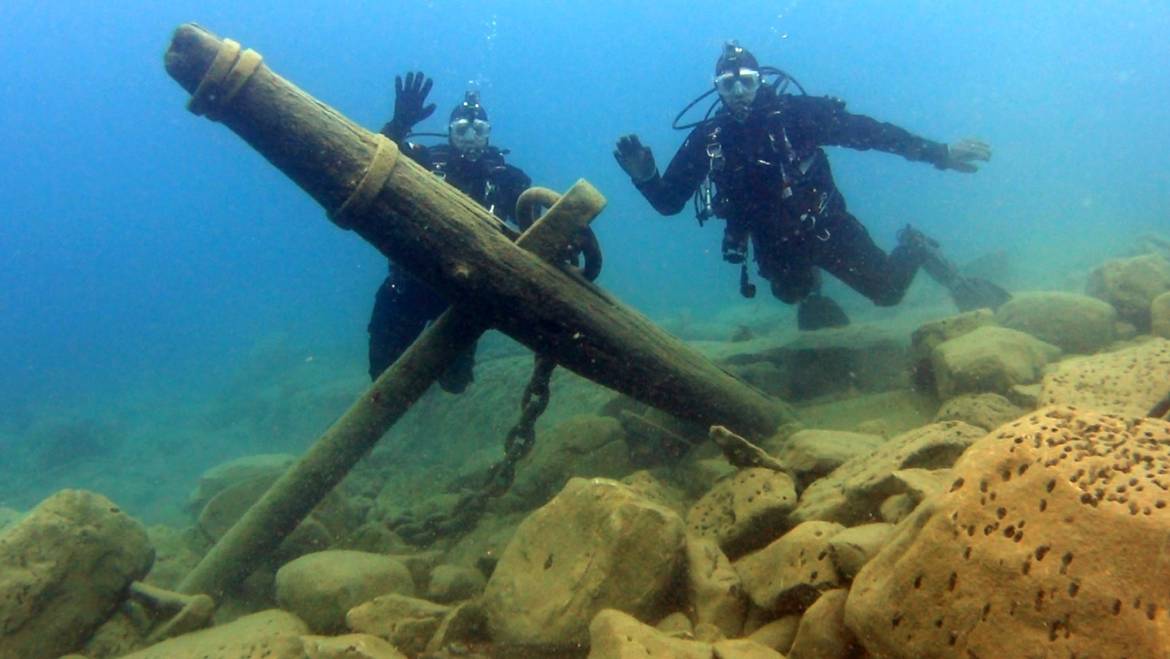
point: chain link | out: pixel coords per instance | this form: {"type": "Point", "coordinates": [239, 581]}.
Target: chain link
{"type": "Point", "coordinates": [517, 444]}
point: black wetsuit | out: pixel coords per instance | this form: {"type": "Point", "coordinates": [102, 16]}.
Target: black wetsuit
{"type": "Point", "coordinates": [404, 305]}
{"type": "Point", "coordinates": [773, 184]}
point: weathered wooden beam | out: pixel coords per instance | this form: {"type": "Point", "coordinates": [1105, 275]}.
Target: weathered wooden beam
{"type": "Point", "coordinates": [294, 495]}
{"type": "Point", "coordinates": [445, 239]}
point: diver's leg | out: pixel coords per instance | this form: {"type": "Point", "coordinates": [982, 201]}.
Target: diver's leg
{"type": "Point", "coordinates": [402, 308]}
{"type": "Point", "coordinates": [794, 280]}
{"type": "Point", "coordinates": [847, 252]}
{"type": "Point", "coordinates": [969, 293]}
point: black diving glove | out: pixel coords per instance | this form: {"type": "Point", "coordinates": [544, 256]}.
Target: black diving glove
{"type": "Point", "coordinates": [635, 159]}
{"type": "Point", "coordinates": [409, 108]}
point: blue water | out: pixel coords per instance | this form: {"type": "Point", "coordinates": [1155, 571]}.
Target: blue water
{"type": "Point", "coordinates": [145, 251]}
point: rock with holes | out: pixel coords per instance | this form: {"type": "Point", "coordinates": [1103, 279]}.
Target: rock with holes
{"type": "Point", "coordinates": [714, 589]}
{"type": "Point", "coordinates": [989, 359]}
{"type": "Point", "coordinates": [1071, 322]}
{"type": "Point", "coordinates": [1047, 543]}
{"type": "Point", "coordinates": [598, 544]}
{"type": "Point", "coordinates": [811, 454]}
{"type": "Point", "coordinates": [1127, 382]}
{"type": "Point", "coordinates": [987, 411]}
{"type": "Point", "coordinates": [1130, 285]}
{"type": "Point", "coordinates": [792, 572]}
{"type": "Point", "coordinates": [744, 512]}
{"type": "Point", "coordinates": [853, 493]}
{"type": "Point", "coordinates": [1160, 316]}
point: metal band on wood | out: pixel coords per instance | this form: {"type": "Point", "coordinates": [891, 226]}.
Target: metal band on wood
{"type": "Point", "coordinates": [371, 184]}
{"type": "Point", "coordinates": [227, 75]}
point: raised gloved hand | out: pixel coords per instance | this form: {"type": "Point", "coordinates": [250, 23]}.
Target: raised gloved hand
{"type": "Point", "coordinates": [962, 154]}
{"type": "Point", "coordinates": [409, 108]}
{"type": "Point", "coordinates": [635, 159]}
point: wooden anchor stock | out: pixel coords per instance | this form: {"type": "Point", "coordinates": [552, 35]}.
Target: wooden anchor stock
{"type": "Point", "coordinates": [460, 249]}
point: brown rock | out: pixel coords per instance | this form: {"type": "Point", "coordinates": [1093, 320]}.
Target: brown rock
{"type": "Point", "coordinates": [778, 634]}
{"type": "Point", "coordinates": [1130, 285]}
{"type": "Point", "coordinates": [1127, 382]}
{"type": "Point", "coordinates": [811, 454]}
{"type": "Point", "coordinates": [617, 635]}
{"type": "Point", "coordinates": [1074, 323]}
{"type": "Point", "coordinates": [452, 583]}
{"type": "Point", "coordinates": [852, 494]}
{"type": "Point", "coordinates": [321, 587]}
{"type": "Point", "coordinates": [744, 512]}
{"type": "Point", "coordinates": [822, 633]}
{"type": "Point", "coordinates": [853, 548]}
{"type": "Point", "coordinates": [925, 338]}
{"type": "Point", "coordinates": [792, 572]}
{"type": "Point", "coordinates": [64, 569]}
{"type": "Point", "coordinates": [272, 634]}
{"type": "Point", "coordinates": [989, 359]}
{"type": "Point", "coordinates": [1047, 538]}
{"type": "Point", "coordinates": [987, 411]}
{"type": "Point", "coordinates": [349, 646]}
{"type": "Point", "coordinates": [407, 623]}
{"type": "Point", "coordinates": [1159, 316]}
{"type": "Point", "coordinates": [714, 589]}
{"type": "Point", "coordinates": [596, 545]}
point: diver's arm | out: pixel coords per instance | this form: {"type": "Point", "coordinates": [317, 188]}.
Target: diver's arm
{"type": "Point", "coordinates": [511, 182]}
{"type": "Point", "coordinates": [668, 193]}
{"type": "Point", "coordinates": [834, 126]}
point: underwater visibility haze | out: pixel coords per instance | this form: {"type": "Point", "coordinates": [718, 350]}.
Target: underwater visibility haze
{"type": "Point", "coordinates": [171, 302]}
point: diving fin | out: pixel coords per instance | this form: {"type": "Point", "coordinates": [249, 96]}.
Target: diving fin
{"type": "Point", "coordinates": [819, 312]}
{"type": "Point", "coordinates": [969, 293]}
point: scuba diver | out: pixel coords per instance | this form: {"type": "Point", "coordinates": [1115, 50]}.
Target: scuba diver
{"type": "Point", "coordinates": [757, 163]}
{"type": "Point", "coordinates": [404, 305]}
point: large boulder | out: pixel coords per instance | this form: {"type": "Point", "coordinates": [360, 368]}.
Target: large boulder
{"type": "Point", "coordinates": [1127, 382]}
{"type": "Point", "coordinates": [1048, 538]}
{"type": "Point", "coordinates": [321, 587]}
{"type": "Point", "coordinates": [1071, 322]}
{"type": "Point", "coordinates": [989, 359]}
{"type": "Point", "coordinates": [64, 569]}
{"type": "Point", "coordinates": [246, 468]}
{"type": "Point", "coordinates": [928, 336]}
{"type": "Point", "coordinates": [598, 544]}
{"type": "Point", "coordinates": [1130, 285]}
{"type": "Point", "coordinates": [853, 494]}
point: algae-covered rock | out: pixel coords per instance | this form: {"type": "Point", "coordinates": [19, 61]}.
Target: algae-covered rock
{"type": "Point", "coordinates": [406, 622]}
{"type": "Point", "coordinates": [989, 359]}
{"type": "Point", "coordinates": [321, 587]}
{"type": "Point", "coordinates": [64, 569]}
{"type": "Point", "coordinates": [1160, 316]}
{"type": "Point", "coordinates": [1074, 323]}
{"type": "Point", "coordinates": [1130, 285]}
{"type": "Point", "coordinates": [596, 545]}
{"type": "Point", "coordinates": [1048, 537]}
{"type": "Point", "coordinates": [272, 634]}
